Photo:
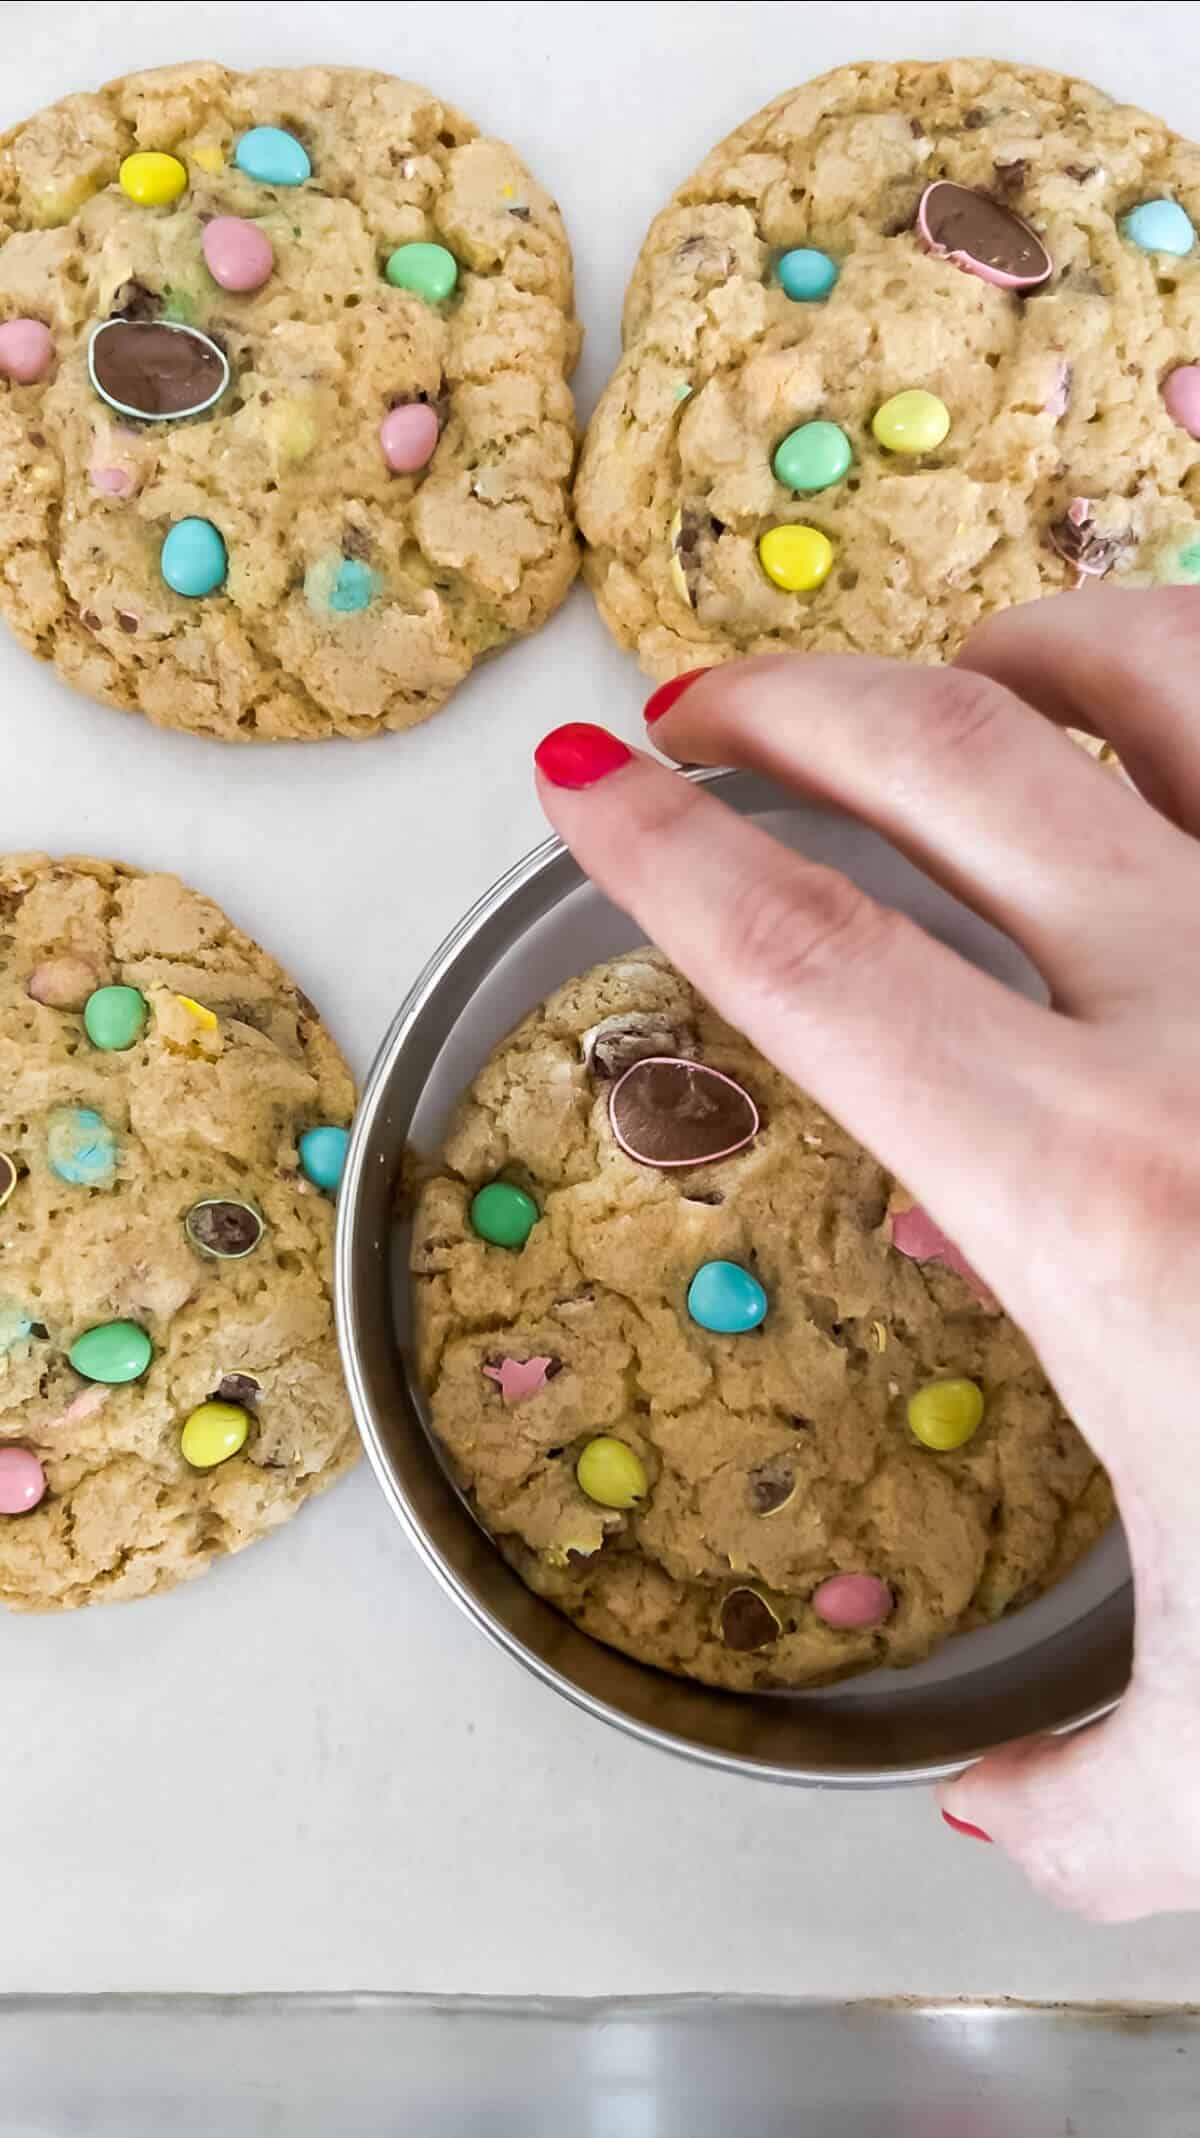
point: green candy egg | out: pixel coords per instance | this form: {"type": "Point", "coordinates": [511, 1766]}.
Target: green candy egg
{"type": "Point", "coordinates": [429, 271]}
{"type": "Point", "coordinates": [114, 1018]}
{"type": "Point", "coordinates": [504, 1215]}
{"type": "Point", "coordinates": [812, 457]}
{"type": "Point", "coordinates": [115, 1352]}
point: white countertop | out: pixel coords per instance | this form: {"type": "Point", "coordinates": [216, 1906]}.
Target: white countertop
{"type": "Point", "coordinates": [307, 1771]}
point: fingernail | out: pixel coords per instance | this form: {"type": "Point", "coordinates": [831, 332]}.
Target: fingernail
{"type": "Point", "coordinates": [963, 1826]}
{"type": "Point", "coordinates": [661, 700]}
{"type": "Point", "coordinates": [579, 754]}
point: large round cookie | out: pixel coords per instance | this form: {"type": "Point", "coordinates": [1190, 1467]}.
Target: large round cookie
{"type": "Point", "coordinates": [211, 1067]}
{"type": "Point", "coordinates": [774, 1459]}
{"type": "Point", "coordinates": [356, 595]}
{"type": "Point", "coordinates": [1062, 458]}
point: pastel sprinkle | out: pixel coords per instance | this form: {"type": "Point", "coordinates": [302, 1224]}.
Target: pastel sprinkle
{"type": "Point", "coordinates": [518, 1378]}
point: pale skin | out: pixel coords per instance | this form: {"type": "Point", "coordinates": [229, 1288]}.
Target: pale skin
{"type": "Point", "coordinates": [1059, 1147]}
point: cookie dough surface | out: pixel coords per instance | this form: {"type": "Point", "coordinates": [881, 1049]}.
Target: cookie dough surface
{"type": "Point", "coordinates": [775, 1459]}
{"type": "Point", "coordinates": [198, 1110]}
{"type": "Point", "coordinates": [453, 560]}
{"type": "Point", "coordinates": [1058, 429]}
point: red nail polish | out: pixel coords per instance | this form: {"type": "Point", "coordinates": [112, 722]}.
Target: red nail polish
{"type": "Point", "coordinates": [579, 754]}
{"type": "Point", "coordinates": [963, 1826]}
{"type": "Point", "coordinates": [661, 700]}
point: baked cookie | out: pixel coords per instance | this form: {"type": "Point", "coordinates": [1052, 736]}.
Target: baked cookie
{"type": "Point", "coordinates": [748, 1417]}
{"type": "Point", "coordinates": [169, 1383]}
{"type": "Point", "coordinates": [914, 343]}
{"type": "Point", "coordinates": [285, 429]}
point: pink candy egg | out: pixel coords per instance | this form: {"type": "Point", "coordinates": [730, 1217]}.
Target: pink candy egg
{"type": "Point", "coordinates": [26, 351]}
{"type": "Point", "coordinates": [111, 482]}
{"type": "Point", "coordinates": [239, 254]}
{"type": "Point", "coordinates": [408, 435]}
{"type": "Point", "coordinates": [1181, 397]}
{"type": "Point", "coordinates": [22, 1481]}
{"type": "Point", "coordinates": [853, 1602]}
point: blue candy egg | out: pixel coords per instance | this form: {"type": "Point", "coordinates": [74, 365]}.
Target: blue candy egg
{"type": "Point", "coordinates": [806, 275]}
{"type": "Point", "coordinates": [272, 156]}
{"type": "Point", "coordinates": [724, 1297]}
{"type": "Point", "coordinates": [1160, 226]}
{"type": "Point", "coordinates": [194, 559]}
{"type": "Point", "coordinates": [352, 588]}
{"type": "Point", "coordinates": [323, 1156]}
{"type": "Point", "coordinates": [81, 1148]}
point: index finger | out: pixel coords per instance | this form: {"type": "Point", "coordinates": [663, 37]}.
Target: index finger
{"type": "Point", "coordinates": [927, 1060]}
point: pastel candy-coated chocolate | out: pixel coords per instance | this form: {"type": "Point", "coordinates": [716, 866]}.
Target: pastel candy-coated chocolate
{"type": "Point", "coordinates": [213, 1433]}
{"type": "Point", "coordinates": [853, 1601]}
{"type": "Point", "coordinates": [503, 1214]}
{"type": "Point", "coordinates": [62, 983]}
{"type": "Point", "coordinates": [81, 1148]}
{"type": "Point", "coordinates": [611, 1473]}
{"type": "Point", "coordinates": [273, 156]}
{"type": "Point", "coordinates": [946, 1414]}
{"type": "Point", "coordinates": [408, 436]}
{"type": "Point", "coordinates": [979, 234]}
{"type": "Point", "coordinates": [798, 559]}
{"type": "Point", "coordinates": [194, 560]}
{"type": "Point", "coordinates": [115, 1018]}
{"type": "Point", "coordinates": [806, 275]}
{"type": "Point", "coordinates": [152, 179]}
{"type": "Point", "coordinates": [1160, 226]}
{"type": "Point", "coordinates": [26, 351]}
{"type": "Point", "coordinates": [812, 457]}
{"type": "Point", "coordinates": [911, 422]}
{"type": "Point", "coordinates": [323, 1156]}
{"type": "Point", "coordinates": [429, 271]}
{"type": "Point", "coordinates": [353, 587]}
{"type": "Point", "coordinates": [725, 1298]}
{"type": "Point", "coordinates": [22, 1481]}
{"type": "Point", "coordinates": [1181, 397]}
{"type": "Point", "coordinates": [238, 254]}
{"type": "Point", "coordinates": [115, 1352]}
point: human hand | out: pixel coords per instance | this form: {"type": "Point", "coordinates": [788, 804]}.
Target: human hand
{"type": "Point", "coordinates": [1058, 1147]}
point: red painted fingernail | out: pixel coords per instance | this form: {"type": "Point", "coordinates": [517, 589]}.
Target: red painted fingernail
{"type": "Point", "coordinates": [963, 1826]}
{"type": "Point", "coordinates": [579, 754]}
{"type": "Point", "coordinates": [661, 700]}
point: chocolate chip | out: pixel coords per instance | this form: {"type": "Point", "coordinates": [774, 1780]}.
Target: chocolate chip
{"type": "Point", "coordinates": [37, 438]}
{"type": "Point", "coordinates": [553, 1367]}
{"type": "Point", "coordinates": [980, 232]}
{"type": "Point", "coordinates": [39, 1329]}
{"type": "Point", "coordinates": [1077, 540]}
{"type": "Point", "coordinates": [680, 1113]}
{"type": "Point", "coordinates": [747, 1622]}
{"type": "Point", "coordinates": [356, 542]}
{"type": "Point", "coordinates": [713, 1199]}
{"type": "Point", "coordinates": [974, 119]}
{"type": "Point", "coordinates": [135, 301]}
{"type": "Point", "coordinates": [239, 1388]}
{"type": "Point", "coordinates": [1011, 177]}
{"type": "Point", "coordinates": [89, 620]}
{"type": "Point", "coordinates": [151, 369]}
{"type": "Point", "coordinates": [522, 214]}
{"type": "Point", "coordinates": [802, 1425]}
{"type": "Point", "coordinates": [916, 129]}
{"type": "Point", "coordinates": [127, 622]}
{"type": "Point", "coordinates": [1081, 172]}
{"type": "Point", "coordinates": [772, 1485]}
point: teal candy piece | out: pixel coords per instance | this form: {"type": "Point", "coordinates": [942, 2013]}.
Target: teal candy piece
{"type": "Point", "coordinates": [806, 275]}
{"type": "Point", "coordinates": [503, 1214]}
{"type": "Point", "coordinates": [115, 1352]}
{"type": "Point", "coordinates": [81, 1148]}
{"type": "Point", "coordinates": [724, 1297]}
{"type": "Point", "coordinates": [272, 156]}
{"type": "Point", "coordinates": [323, 1156]}
{"type": "Point", "coordinates": [352, 588]}
{"type": "Point", "coordinates": [15, 1324]}
{"type": "Point", "coordinates": [429, 271]}
{"type": "Point", "coordinates": [1160, 226]}
{"type": "Point", "coordinates": [114, 1018]}
{"type": "Point", "coordinates": [1187, 563]}
{"type": "Point", "coordinates": [812, 457]}
{"type": "Point", "coordinates": [194, 559]}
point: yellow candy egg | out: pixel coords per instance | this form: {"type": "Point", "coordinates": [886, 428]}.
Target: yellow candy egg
{"type": "Point", "coordinates": [911, 422]}
{"type": "Point", "coordinates": [945, 1414]}
{"type": "Point", "coordinates": [152, 179]}
{"type": "Point", "coordinates": [213, 1433]}
{"type": "Point", "coordinates": [796, 558]}
{"type": "Point", "coordinates": [611, 1473]}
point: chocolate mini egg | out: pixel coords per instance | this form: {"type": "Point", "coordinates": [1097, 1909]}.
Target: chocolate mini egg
{"type": "Point", "coordinates": [224, 1229]}
{"type": "Point", "coordinates": [668, 1112]}
{"type": "Point", "coordinates": [981, 236]}
{"type": "Point", "coordinates": [154, 370]}
{"type": "Point", "coordinates": [8, 1177]}
{"type": "Point", "coordinates": [748, 1622]}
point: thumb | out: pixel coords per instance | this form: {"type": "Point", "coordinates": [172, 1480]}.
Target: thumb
{"type": "Point", "coordinates": [1093, 1820]}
